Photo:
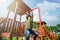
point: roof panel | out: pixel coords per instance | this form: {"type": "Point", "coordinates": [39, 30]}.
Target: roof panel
{"type": "Point", "coordinates": [22, 7]}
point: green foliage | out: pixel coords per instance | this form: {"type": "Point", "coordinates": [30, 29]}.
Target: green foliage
{"type": "Point", "coordinates": [45, 38]}
{"type": "Point", "coordinates": [58, 25]}
{"type": "Point", "coordinates": [57, 39]}
{"type": "Point", "coordinates": [35, 25]}
{"type": "Point", "coordinates": [5, 38]}
{"type": "Point", "coordinates": [14, 38]}
{"type": "Point", "coordinates": [51, 28]}
{"type": "Point", "coordinates": [54, 28]}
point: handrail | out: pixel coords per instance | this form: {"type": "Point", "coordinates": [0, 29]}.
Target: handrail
{"type": "Point", "coordinates": [19, 30]}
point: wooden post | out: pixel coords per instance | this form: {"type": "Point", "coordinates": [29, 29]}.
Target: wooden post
{"type": "Point", "coordinates": [14, 17]}
{"type": "Point", "coordinates": [12, 26]}
{"type": "Point", "coordinates": [14, 21]}
{"type": "Point", "coordinates": [20, 25]}
{"type": "Point", "coordinates": [5, 21]}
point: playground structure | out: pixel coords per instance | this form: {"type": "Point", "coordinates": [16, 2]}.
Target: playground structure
{"type": "Point", "coordinates": [12, 28]}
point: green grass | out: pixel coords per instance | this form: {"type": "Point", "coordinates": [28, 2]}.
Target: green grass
{"type": "Point", "coordinates": [5, 38]}
{"type": "Point", "coordinates": [14, 38]}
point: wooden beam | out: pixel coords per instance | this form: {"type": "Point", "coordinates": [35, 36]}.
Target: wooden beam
{"type": "Point", "coordinates": [20, 24]}
{"type": "Point", "coordinates": [14, 18]}
{"type": "Point", "coordinates": [22, 7]}
{"type": "Point", "coordinates": [7, 20]}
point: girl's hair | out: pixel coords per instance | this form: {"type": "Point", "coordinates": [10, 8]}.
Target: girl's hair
{"type": "Point", "coordinates": [28, 16]}
{"type": "Point", "coordinates": [42, 23]}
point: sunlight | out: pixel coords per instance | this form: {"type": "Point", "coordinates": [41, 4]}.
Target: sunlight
{"type": "Point", "coordinates": [3, 7]}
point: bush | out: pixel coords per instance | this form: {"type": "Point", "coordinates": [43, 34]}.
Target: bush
{"type": "Point", "coordinates": [14, 38]}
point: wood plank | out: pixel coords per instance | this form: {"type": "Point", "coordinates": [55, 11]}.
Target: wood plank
{"type": "Point", "coordinates": [7, 34]}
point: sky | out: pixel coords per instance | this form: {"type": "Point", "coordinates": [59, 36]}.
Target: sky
{"type": "Point", "coordinates": [49, 10]}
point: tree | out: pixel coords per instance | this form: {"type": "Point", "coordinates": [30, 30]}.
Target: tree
{"type": "Point", "coordinates": [58, 25]}
{"type": "Point", "coordinates": [53, 29]}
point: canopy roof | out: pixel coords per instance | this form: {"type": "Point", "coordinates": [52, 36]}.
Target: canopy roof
{"type": "Point", "coordinates": [21, 7]}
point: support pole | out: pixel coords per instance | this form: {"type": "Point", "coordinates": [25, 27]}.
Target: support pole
{"type": "Point", "coordinates": [7, 19]}
{"type": "Point", "coordinates": [8, 14]}
{"type": "Point", "coordinates": [14, 17]}
{"type": "Point", "coordinates": [40, 23]}
{"type": "Point", "coordinates": [20, 25]}
{"type": "Point", "coordinates": [12, 26]}
{"type": "Point", "coordinates": [14, 22]}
